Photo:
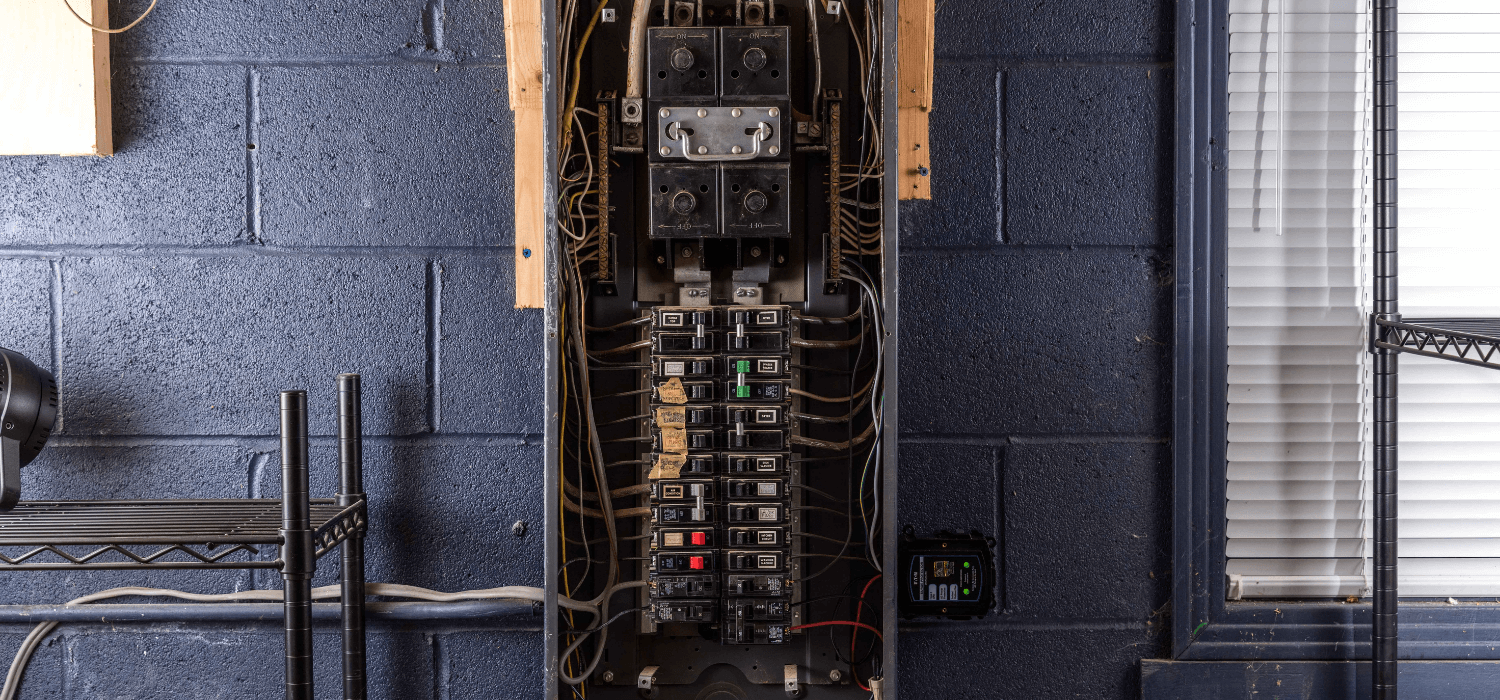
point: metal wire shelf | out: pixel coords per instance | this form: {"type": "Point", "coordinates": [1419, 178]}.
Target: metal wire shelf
{"type": "Point", "coordinates": [227, 534]}
{"type": "Point", "coordinates": [1472, 341]}
{"type": "Point", "coordinates": [202, 534]}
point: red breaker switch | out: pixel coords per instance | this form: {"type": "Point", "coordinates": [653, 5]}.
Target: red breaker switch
{"type": "Point", "coordinates": [700, 538]}
{"type": "Point", "coordinates": [695, 562]}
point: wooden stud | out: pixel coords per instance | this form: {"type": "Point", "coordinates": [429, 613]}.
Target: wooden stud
{"type": "Point", "coordinates": [523, 57]}
{"type": "Point", "coordinates": [54, 79]}
{"type": "Point", "coordinates": [914, 79]}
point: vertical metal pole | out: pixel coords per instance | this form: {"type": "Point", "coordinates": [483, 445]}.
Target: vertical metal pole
{"type": "Point", "coordinates": [297, 563]}
{"type": "Point", "coordinates": [1383, 638]}
{"type": "Point", "coordinates": [351, 491]}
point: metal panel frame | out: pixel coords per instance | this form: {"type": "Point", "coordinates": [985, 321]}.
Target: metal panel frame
{"type": "Point", "coordinates": [1205, 626]}
{"type": "Point", "coordinates": [552, 364]}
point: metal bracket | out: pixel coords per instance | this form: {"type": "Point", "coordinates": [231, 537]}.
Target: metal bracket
{"type": "Point", "coordinates": [1376, 333]}
{"type": "Point", "coordinates": [10, 473]}
{"type": "Point", "coordinates": [735, 152]}
{"type": "Point", "coordinates": [647, 679]}
{"type": "Point", "coordinates": [719, 133]}
{"type": "Point", "coordinates": [789, 680]}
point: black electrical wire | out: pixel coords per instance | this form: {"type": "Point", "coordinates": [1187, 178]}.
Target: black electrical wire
{"type": "Point", "coordinates": [818, 492]}
{"type": "Point", "coordinates": [608, 622]}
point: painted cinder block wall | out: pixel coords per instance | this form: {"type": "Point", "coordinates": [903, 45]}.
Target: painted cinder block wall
{"type": "Point", "coordinates": [303, 189]}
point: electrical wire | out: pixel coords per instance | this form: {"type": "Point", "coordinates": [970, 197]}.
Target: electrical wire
{"type": "Point", "coordinates": [393, 590]}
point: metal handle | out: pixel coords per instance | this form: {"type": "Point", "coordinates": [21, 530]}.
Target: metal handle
{"type": "Point", "coordinates": [762, 133]}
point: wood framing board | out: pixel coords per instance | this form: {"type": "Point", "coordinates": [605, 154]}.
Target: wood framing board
{"type": "Point", "coordinates": [914, 78]}
{"type": "Point", "coordinates": [54, 79]}
{"type": "Point", "coordinates": [524, 67]}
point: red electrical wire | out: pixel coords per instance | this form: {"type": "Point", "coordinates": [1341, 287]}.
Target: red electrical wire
{"type": "Point", "coordinates": [859, 611]}
{"type": "Point", "coordinates": [836, 622]}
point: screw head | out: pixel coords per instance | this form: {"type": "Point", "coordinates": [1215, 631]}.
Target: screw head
{"type": "Point", "coordinates": [736, 112]}
{"type": "Point", "coordinates": [661, 260]}
{"type": "Point", "coordinates": [609, 676]}
{"type": "Point", "coordinates": [525, 252]}
{"type": "Point", "coordinates": [684, 203]}
{"type": "Point", "coordinates": [682, 58]}
{"type": "Point", "coordinates": [10, 426]}
{"type": "Point", "coordinates": [666, 151]}
{"type": "Point", "coordinates": [702, 150]}
{"type": "Point", "coordinates": [755, 251]}
{"type": "Point", "coordinates": [781, 260]}
{"type": "Point", "coordinates": [774, 112]}
{"type": "Point", "coordinates": [773, 150]}
{"type": "Point", "coordinates": [687, 252]}
{"type": "Point", "coordinates": [664, 113]}
{"type": "Point", "coordinates": [702, 113]}
{"type": "Point", "coordinates": [736, 150]}
{"type": "Point", "coordinates": [835, 676]}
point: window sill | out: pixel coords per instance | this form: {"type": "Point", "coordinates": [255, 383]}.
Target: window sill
{"type": "Point", "coordinates": [1325, 680]}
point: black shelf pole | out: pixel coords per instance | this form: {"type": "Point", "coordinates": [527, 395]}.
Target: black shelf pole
{"type": "Point", "coordinates": [351, 491]}
{"type": "Point", "coordinates": [1386, 360]}
{"type": "Point", "coordinates": [297, 554]}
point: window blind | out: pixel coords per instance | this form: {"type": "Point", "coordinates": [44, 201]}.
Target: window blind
{"type": "Point", "coordinates": [1298, 510]}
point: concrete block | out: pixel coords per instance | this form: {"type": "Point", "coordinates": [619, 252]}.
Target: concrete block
{"type": "Point", "coordinates": [1115, 561]}
{"type": "Point", "coordinates": [26, 296]}
{"type": "Point", "coordinates": [966, 169]}
{"type": "Point", "coordinates": [403, 155]}
{"type": "Point", "coordinates": [272, 29]}
{"type": "Point", "coordinates": [223, 661]}
{"type": "Point", "coordinates": [1035, 342]}
{"type": "Point", "coordinates": [949, 661]}
{"type": "Point", "coordinates": [1055, 28]}
{"type": "Point", "coordinates": [1089, 153]}
{"type": "Point", "coordinates": [202, 346]}
{"type": "Point", "coordinates": [177, 176]}
{"type": "Point", "coordinates": [485, 665]}
{"type": "Point", "coordinates": [491, 353]}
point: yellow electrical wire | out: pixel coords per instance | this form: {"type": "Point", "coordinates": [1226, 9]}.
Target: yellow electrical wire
{"type": "Point", "coordinates": [567, 115]}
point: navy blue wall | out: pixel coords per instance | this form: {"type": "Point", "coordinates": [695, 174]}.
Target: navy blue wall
{"type": "Point", "coordinates": [1036, 302]}
{"type": "Point", "coordinates": [302, 189]}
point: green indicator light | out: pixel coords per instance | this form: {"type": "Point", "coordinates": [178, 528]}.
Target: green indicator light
{"type": "Point", "coordinates": [966, 591]}
{"type": "Point", "coordinates": [966, 565]}
{"type": "Point", "coordinates": [742, 366]}
{"type": "Point", "coordinates": [742, 392]}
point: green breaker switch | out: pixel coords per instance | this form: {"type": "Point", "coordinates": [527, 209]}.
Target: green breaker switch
{"type": "Point", "coordinates": [742, 392]}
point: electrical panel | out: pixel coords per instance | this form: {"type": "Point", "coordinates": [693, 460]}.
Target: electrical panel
{"type": "Point", "coordinates": [723, 217]}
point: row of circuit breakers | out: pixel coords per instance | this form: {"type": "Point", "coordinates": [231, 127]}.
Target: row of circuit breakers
{"type": "Point", "coordinates": [718, 98]}
{"type": "Point", "coordinates": [721, 521]}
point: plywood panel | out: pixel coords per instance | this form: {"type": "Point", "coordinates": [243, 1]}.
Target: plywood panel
{"type": "Point", "coordinates": [54, 79]}
{"type": "Point", "coordinates": [914, 77]}
{"type": "Point", "coordinates": [523, 55]}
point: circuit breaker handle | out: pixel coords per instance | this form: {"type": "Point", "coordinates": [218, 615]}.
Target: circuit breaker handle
{"type": "Point", "coordinates": [762, 133]}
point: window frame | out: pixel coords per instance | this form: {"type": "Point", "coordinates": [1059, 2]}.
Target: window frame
{"type": "Point", "coordinates": [1206, 626]}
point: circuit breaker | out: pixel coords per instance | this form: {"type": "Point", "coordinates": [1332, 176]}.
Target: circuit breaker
{"type": "Point", "coordinates": [721, 444]}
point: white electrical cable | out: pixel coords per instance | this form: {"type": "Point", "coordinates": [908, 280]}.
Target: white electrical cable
{"type": "Point", "coordinates": [812, 31]}
{"type": "Point", "coordinates": [872, 523]}
{"type": "Point", "coordinates": [635, 57]}
{"type": "Point", "coordinates": [394, 590]}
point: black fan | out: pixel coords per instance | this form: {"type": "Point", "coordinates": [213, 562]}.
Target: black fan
{"type": "Point", "coordinates": [28, 410]}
